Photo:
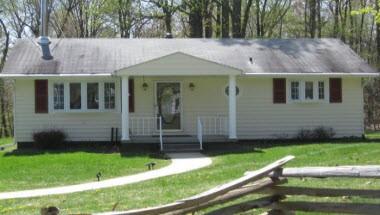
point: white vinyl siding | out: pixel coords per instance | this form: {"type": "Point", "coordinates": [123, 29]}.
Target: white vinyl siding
{"type": "Point", "coordinates": [257, 116]}
{"type": "Point", "coordinates": [80, 126]}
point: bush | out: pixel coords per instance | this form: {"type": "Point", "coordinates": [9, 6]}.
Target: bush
{"type": "Point", "coordinates": [50, 139]}
{"type": "Point", "coordinates": [323, 133]}
{"type": "Point", "coordinates": [319, 133]}
{"type": "Point", "coordinates": [304, 134]}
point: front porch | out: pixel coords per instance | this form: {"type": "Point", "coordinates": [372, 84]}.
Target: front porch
{"type": "Point", "coordinates": [178, 98]}
{"type": "Point", "coordinates": [198, 109]}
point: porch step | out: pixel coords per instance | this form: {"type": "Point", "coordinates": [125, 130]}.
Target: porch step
{"type": "Point", "coordinates": [181, 147]}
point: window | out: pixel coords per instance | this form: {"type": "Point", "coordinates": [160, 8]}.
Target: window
{"type": "Point", "coordinates": [59, 96]}
{"type": "Point", "coordinates": [309, 89]}
{"type": "Point", "coordinates": [295, 90]}
{"type": "Point", "coordinates": [321, 90]}
{"type": "Point", "coordinates": [109, 95]}
{"type": "Point", "coordinates": [75, 96]}
{"type": "Point", "coordinates": [83, 96]}
{"type": "Point", "coordinates": [92, 95]}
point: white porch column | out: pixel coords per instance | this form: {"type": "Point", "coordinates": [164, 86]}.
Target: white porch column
{"type": "Point", "coordinates": [232, 107]}
{"type": "Point", "coordinates": [125, 108]}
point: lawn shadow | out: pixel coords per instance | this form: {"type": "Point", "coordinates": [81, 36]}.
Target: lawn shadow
{"type": "Point", "coordinates": [124, 152]}
{"type": "Point", "coordinates": [258, 146]}
{"type": "Point", "coordinates": [65, 150]}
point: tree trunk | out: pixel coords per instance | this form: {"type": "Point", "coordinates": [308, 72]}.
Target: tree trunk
{"type": "Point", "coordinates": [313, 21]}
{"type": "Point", "coordinates": [319, 18]}
{"type": "Point", "coordinates": [168, 23]}
{"type": "Point", "coordinates": [236, 19]}
{"type": "Point", "coordinates": [208, 9]}
{"type": "Point", "coordinates": [258, 21]}
{"type": "Point", "coordinates": [225, 19]}
{"type": "Point", "coordinates": [360, 34]}
{"type": "Point", "coordinates": [218, 20]}
{"type": "Point", "coordinates": [4, 124]}
{"type": "Point", "coordinates": [378, 34]}
{"type": "Point", "coordinates": [306, 22]}
{"type": "Point", "coordinates": [245, 18]}
{"type": "Point", "coordinates": [352, 25]}
{"type": "Point", "coordinates": [336, 19]}
{"type": "Point", "coordinates": [196, 20]}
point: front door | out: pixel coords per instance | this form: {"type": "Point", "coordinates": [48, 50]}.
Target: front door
{"type": "Point", "coordinates": [168, 98]}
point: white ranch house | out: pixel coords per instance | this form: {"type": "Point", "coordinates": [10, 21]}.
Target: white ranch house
{"type": "Point", "coordinates": [168, 90]}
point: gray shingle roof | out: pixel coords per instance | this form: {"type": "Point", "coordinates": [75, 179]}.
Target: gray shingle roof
{"type": "Point", "coordinates": [94, 56]}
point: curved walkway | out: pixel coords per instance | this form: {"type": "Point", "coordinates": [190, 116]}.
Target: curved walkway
{"type": "Point", "coordinates": [181, 162]}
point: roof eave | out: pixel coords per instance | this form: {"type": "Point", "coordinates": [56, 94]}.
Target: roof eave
{"type": "Point", "coordinates": [54, 75]}
{"type": "Point", "coordinates": [314, 74]}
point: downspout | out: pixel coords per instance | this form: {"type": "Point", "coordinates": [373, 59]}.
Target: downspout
{"type": "Point", "coordinates": [44, 40]}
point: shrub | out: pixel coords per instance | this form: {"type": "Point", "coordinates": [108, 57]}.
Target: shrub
{"type": "Point", "coordinates": [318, 133]}
{"type": "Point", "coordinates": [323, 133]}
{"type": "Point", "coordinates": [304, 134]}
{"type": "Point", "coordinates": [50, 139]}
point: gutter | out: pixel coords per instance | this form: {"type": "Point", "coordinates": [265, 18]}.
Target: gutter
{"type": "Point", "coordinates": [53, 75]}
{"type": "Point", "coordinates": [313, 74]}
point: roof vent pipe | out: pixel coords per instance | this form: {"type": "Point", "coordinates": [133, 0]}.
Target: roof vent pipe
{"type": "Point", "coordinates": [44, 40]}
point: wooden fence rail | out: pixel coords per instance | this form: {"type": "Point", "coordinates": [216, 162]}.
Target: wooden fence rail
{"type": "Point", "coordinates": [267, 181]}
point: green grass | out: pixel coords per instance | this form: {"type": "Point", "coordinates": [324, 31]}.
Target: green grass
{"type": "Point", "coordinates": [226, 166]}
{"type": "Point", "coordinates": [6, 141]}
{"type": "Point", "coordinates": [372, 134]}
{"type": "Point", "coordinates": [31, 169]}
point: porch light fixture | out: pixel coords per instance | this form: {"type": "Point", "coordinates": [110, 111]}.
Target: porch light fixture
{"type": "Point", "coordinates": [191, 86]}
{"type": "Point", "coordinates": [145, 86]}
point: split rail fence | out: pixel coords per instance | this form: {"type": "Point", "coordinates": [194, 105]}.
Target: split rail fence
{"type": "Point", "coordinates": [269, 182]}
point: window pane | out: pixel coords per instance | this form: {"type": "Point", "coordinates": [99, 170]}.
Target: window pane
{"type": "Point", "coordinates": [309, 90]}
{"type": "Point", "coordinates": [59, 93]}
{"type": "Point", "coordinates": [92, 96]}
{"type": "Point", "coordinates": [75, 96]}
{"type": "Point", "coordinates": [109, 95]}
{"type": "Point", "coordinates": [295, 93]}
{"type": "Point", "coordinates": [321, 90]}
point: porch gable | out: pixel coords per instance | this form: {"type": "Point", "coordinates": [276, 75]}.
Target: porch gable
{"type": "Point", "coordinates": [179, 64]}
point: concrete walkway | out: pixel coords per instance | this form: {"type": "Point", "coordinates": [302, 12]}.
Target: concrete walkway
{"type": "Point", "coordinates": [181, 162]}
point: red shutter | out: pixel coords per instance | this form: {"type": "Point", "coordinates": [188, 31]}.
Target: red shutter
{"type": "Point", "coordinates": [131, 95]}
{"type": "Point", "coordinates": [335, 90]}
{"type": "Point", "coordinates": [41, 96]}
{"type": "Point", "coordinates": [279, 90]}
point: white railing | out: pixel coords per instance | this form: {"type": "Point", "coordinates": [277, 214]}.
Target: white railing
{"type": "Point", "coordinates": [200, 133]}
{"type": "Point", "coordinates": [160, 130]}
{"type": "Point", "coordinates": [214, 125]}
{"type": "Point", "coordinates": [146, 126]}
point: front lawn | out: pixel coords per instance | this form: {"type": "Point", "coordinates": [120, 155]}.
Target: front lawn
{"type": "Point", "coordinates": [6, 141]}
{"type": "Point", "coordinates": [227, 165]}
{"type": "Point", "coordinates": [27, 169]}
{"type": "Point", "coordinates": [372, 135]}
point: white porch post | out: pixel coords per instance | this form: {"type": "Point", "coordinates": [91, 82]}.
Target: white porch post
{"type": "Point", "coordinates": [232, 107]}
{"type": "Point", "coordinates": [125, 108]}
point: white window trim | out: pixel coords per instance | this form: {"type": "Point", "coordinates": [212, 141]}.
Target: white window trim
{"type": "Point", "coordinates": [83, 97]}
{"type": "Point", "coordinates": [302, 98]}
{"type": "Point", "coordinates": [103, 103]}
{"type": "Point", "coordinates": [51, 97]}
